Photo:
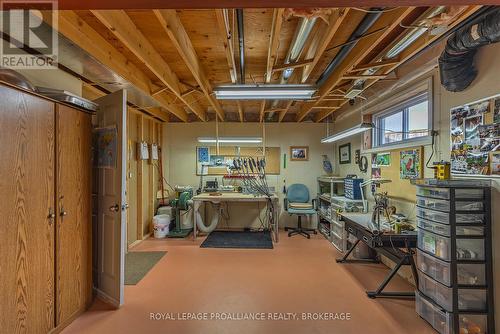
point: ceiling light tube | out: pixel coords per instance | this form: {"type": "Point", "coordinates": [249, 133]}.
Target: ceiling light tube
{"type": "Point", "coordinates": [225, 140]}
{"type": "Point", "coordinates": [348, 133]}
{"type": "Point", "coordinates": [264, 92]}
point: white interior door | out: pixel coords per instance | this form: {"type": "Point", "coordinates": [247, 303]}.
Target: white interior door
{"type": "Point", "coordinates": [111, 221]}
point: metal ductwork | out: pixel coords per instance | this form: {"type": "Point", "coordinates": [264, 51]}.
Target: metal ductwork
{"type": "Point", "coordinates": [241, 40]}
{"type": "Point", "coordinates": [456, 63]}
{"type": "Point", "coordinates": [361, 29]}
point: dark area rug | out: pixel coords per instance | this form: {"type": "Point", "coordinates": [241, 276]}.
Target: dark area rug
{"type": "Point", "coordinates": [138, 264]}
{"type": "Point", "coordinates": [238, 239]}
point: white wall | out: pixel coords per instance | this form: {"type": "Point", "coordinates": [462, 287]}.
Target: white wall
{"type": "Point", "coordinates": [179, 149]}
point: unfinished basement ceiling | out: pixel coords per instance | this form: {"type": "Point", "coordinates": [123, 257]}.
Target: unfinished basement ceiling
{"type": "Point", "coordinates": [177, 57]}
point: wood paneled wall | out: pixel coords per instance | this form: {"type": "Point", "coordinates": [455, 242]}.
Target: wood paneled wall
{"type": "Point", "coordinates": [142, 176]}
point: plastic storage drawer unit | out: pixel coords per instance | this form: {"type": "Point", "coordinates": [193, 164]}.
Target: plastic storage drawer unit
{"type": "Point", "coordinates": [434, 244]}
{"type": "Point", "coordinates": [467, 273]}
{"type": "Point", "coordinates": [468, 299]}
{"type": "Point", "coordinates": [433, 204]}
{"type": "Point", "coordinates": [444, 229]}
{"type": "Point", "coordinates": [436, 216]}
{"type": "Point", "coordinates": [444, 193]}
{"type": "Point", "coordinates": [440, 320]}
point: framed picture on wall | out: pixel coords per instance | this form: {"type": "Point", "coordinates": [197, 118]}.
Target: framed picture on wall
{"type": "Point", "coordinates": [299, 153]}
{"type": "Point", "coordinates": [345, 154]}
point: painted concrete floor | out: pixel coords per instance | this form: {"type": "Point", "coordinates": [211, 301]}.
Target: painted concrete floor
{"type": "Point", "coordinates": [298, 278]}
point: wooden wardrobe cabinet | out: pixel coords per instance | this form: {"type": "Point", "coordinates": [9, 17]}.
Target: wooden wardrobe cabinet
{"type": "Point", "coordinates": [45, 207]}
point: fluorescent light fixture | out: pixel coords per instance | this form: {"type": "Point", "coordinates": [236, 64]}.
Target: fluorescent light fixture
{"type": "Point", "coordinates": [348, 133]}
{"type": "Point", "coordinates": [264, 92]}
{"type": "Point", "coordinates": [248, 140]}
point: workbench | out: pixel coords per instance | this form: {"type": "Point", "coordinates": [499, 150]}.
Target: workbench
{"type": "Point", "coordinates": [400, 248]}
{"type": "Point", "coordinates": [239, 197]}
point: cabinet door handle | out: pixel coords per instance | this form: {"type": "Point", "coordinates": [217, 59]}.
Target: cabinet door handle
{"type": "Point", "coordinates": [51, 216]}
{"type": "Point", "coordinates": [365, 239]}
{"type": "Point", "coordinates": [114, 208]}
{"type": "Point", "coordinates": [63, 213]}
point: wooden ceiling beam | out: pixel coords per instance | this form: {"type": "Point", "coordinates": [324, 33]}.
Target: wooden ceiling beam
{"type": "Point", "coordinates": [272, 51]}
{"type": "Point", "coordinates": [421, 43]}
{"type": "Point", "coordinates": [364, 77]}
{"type": "Point", "coordinates": [226, 36]}
{"type": "Point", "coordinates": [204, 4]}
{"type": "Point", "coordinates": [79, 32]}
{"type": "Point", "coordinates": [389, 21]}
{"type": "Point", "coordinates": [125, 30]}
{"type": "Point", "coordinates": [375, 65]}
{"type": "Point", "coordinates": [172, 25]}
{"type": "Point", "coordinates": [300, 63]}
{"type": "Point", "coordinates": [318, 47]}
{"type": "Point", "coordinates": [262, 111]}
{"type": "Point", "coordinates": [240, 111]}
{"type": "Point", "coordinates": [322, 41]}
{"type": "Point", "coordinates": [274, 40]}
{"type": "Point", "coordinates": [283, 113]}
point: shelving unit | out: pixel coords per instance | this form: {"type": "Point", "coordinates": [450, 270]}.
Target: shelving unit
{"type": "Point", "coordinates": [328, 187]}
{"type": "Point", "coordinates": [330, 200]}
{"type": "Point", "coordinates": [454, 256]}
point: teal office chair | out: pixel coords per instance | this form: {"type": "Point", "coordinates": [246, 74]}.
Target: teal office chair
{"type": "Point", "coordinates": [297, 203]}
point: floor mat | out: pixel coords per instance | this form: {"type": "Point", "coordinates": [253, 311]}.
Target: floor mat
{"type": "Point", "coordinates": [238, 239]}
{"type": "Point", "coordinates": [138, 264]}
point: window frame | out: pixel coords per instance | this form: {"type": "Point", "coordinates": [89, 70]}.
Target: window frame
{"type": "Point", "coordinates": [403, 107]}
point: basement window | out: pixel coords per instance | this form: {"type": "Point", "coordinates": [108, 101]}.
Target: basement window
{"type": "Point", "coordinates": [402, 123]}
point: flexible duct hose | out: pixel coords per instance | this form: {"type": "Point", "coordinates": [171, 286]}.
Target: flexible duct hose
{"type": "Point", "coordinates": [456, 63]}
{"type": "Point", "coordinates": [213, 224]}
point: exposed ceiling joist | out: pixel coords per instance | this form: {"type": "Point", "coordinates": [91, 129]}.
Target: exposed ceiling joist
{"type": "Point", "coordinates": [318, 47]}
{"type": "Point", "coordinates": [122, 26]}
{"type": "Point", "coordinates": [240, 111]}
{"type": "Point", "coordinates": [421, 43]}
{"type": "Point", "coordinates": [203, 4]}
{"type": "Point", "coordinates": [375, 65]}
{"type": "Point", "coordinates": [272, 51]}
{"type": "Point", "coordinates": [390, 20]}
{"type": "Point", "coordinates": [300, 63]}
{"type": "Point", "coordinates": [226, 35]}
{"type": "Point", "coordinates": [283, 113]}
{"type": "Point", "coordinates": [79, 32]}
{"type": "Point", "coordinates": [362, 76]}
{"type": "Point", "coordinates": [262, 111]}
{"type": "Point", "coordinates": [172, 24]}
{"type": "Point", "coordinates": [322, 41]}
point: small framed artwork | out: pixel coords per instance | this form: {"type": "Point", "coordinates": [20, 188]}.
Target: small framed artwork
{"type": "Point", "coordinates": [299, 153]}
{"type": "Point", "coordinates": [345, 154]}
{"type": "Point", "coordinates": [410, 164]}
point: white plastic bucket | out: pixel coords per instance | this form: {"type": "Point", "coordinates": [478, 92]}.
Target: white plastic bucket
{"type": "Point", "coordinates": [161, 225]}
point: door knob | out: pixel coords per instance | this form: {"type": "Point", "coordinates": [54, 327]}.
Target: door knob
{"type": "Point", "coordinates": [114, 208]}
